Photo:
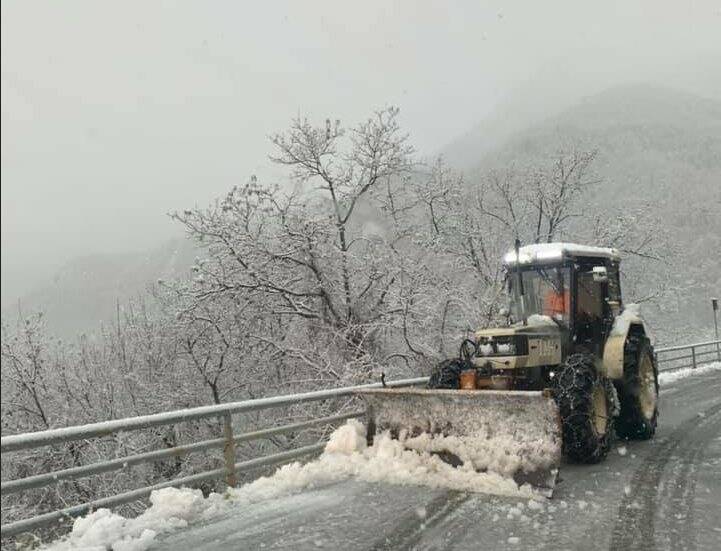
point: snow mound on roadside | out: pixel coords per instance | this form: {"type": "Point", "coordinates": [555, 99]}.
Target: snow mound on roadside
{"type": "Point", "coordinates": [101, 530]}
{"type": "Point", "coordinates": [668, 377]}
{"type": "Point", "coordinates": [347, 439]}
{"type": "Point", "coordinates": [387, 460]}
{"type": "Point", "coordinates": [346, 455]}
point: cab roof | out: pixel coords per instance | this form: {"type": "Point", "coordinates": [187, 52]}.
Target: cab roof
{"type": "Point", "coordinates": [547, 253]}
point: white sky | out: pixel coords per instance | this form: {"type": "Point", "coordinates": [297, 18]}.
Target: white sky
{"type": "Point", "coordinates": [115, 113]}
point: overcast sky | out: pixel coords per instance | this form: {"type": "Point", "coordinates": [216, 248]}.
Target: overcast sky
{"type": "Point", "coordinates": [115, 113]}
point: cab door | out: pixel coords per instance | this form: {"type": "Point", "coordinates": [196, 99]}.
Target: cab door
{"type": "Point", "coordinates": [591, 308]}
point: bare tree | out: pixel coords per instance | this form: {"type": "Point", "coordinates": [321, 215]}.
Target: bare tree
{"type": "Point", "coordinates": [556, 191]}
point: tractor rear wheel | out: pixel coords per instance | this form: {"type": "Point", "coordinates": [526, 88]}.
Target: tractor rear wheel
{"type": "Point", "coordinates": [586, 402]}
{"type": "Point", "coordinates": [638, 392]}
{"type": "Point", "coordinates": [446, 374]}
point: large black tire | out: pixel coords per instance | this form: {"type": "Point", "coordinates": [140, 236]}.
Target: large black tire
{"type": "Point", "coordinates": [586, 403]}
{"type": "Point", "coordinates": [638, 392]}
{"type": "Point", "coordinates": [446, 374]}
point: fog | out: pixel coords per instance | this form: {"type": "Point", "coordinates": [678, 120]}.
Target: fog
{"type": "Point", "coordinates": [115, 114]}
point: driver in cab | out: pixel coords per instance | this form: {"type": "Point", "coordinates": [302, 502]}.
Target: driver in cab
{"type": "Point", "coordinates": [557, 300]}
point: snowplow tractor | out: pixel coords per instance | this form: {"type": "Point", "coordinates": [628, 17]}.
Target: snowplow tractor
{"type": "Point", "coordinates": [571, 367]}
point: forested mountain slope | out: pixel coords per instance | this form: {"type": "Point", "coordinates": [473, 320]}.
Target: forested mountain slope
{"type": "Point", "coordinates": [87, 290]}
{"type": "Point", "coordinates": [659, 151]}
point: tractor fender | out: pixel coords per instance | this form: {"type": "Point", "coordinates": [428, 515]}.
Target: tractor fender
{"type": "Point", "coordinates": [613, 350]}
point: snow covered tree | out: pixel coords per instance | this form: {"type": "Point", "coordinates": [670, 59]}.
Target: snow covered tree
{"type": "Point", "coordinates": [312, 253]}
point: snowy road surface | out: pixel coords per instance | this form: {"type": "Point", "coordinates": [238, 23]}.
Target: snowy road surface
{"type": "Point", "coordinates": [662, 494]}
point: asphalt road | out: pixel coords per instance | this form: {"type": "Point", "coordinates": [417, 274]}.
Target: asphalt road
{"type": "Point", "coordinates": [662, 494]}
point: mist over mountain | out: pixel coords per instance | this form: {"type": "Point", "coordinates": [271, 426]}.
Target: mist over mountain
{"type": "Point", "coordinates": [658, 149]}
{"type": "Point", "coordinates": [88, 289]}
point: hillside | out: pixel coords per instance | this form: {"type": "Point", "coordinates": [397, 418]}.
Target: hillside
{"type": "Point", "coordinates": [659, 149]}
{"type": "Point", "coordinates": [86, 291]}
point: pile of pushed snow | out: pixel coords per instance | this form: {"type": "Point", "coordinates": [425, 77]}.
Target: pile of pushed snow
{"type": "Point", "coordinates": [504, 454]}
{"type": "Point", "coordinates": [346, 455]}
{"type": "Point", "coordinates": [388, 460]}
{"type": "Point", "coordinates": [517, 433]}
{"type": "Point", "coordinates": [668, 377]}
{"type": "Point", "coordinates": [170, 508]}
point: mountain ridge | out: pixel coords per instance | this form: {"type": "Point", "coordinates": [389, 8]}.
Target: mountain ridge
{"type": "Point", "coordinates": [656, 146]}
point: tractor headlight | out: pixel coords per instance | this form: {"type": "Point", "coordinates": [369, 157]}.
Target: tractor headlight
{"type": "Point", "coordinates": [507, 345]}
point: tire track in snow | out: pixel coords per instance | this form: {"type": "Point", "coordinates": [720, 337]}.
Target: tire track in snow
{"type": "Point", "coordinates": [635, 521]}
{"type": "Point", "coordinates": [412, 526]}
{"type": "Point", "coordinates": [680, 529]}
{"type": "Point", "coordinates": [682, 534]}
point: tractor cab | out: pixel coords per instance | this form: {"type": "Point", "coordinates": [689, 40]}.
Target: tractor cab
{"type": "Point", "coordinates": [575, 286]}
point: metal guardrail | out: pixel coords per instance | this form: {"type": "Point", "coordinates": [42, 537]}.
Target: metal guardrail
{"type": "Point", "coordinates": [224, 412]}
{"type": "Point", "coordinates": [692, 355]}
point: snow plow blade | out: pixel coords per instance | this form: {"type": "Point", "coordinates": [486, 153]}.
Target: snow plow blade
{"type": "Point", "coordinates": [515, 434]}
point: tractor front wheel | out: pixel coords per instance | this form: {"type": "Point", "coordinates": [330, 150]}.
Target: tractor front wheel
{"type": "Point", "coordinates": [586, 403]}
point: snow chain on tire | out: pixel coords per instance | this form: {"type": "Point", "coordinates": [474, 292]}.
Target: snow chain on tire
{"type": "Point", "coordinates": [579, 391]}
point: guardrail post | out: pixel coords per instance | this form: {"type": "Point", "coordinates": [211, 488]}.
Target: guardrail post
{"type": "Point", "coordinates": [693, 357]}
{"type": "Point", "coordinates": [231, 478]}
{"type": "Point", "coordinates": [714, 305]}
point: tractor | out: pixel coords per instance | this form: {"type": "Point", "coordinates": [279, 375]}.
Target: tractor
{"type": "Point", "coordinates": [571, 366]}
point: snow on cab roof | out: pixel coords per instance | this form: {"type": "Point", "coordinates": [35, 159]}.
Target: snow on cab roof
{"type": "Point", "coordinates": [549, 252]}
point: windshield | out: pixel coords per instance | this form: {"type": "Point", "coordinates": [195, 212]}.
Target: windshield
{"type": "Point", "coordinates": [547, 292]}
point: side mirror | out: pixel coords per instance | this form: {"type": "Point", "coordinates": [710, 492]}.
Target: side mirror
{"type": "Point", "coordinates": [600, 274]}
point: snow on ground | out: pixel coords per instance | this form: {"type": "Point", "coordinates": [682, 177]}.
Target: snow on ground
{"type": "Point", "coordinates": [516, 433]}
{"type": "Point", "coordinates": [171, 508]}
{"type": "Point", "coordinates": [346, 455]}
{"type": "Point", "coordinates": [668, 377]}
